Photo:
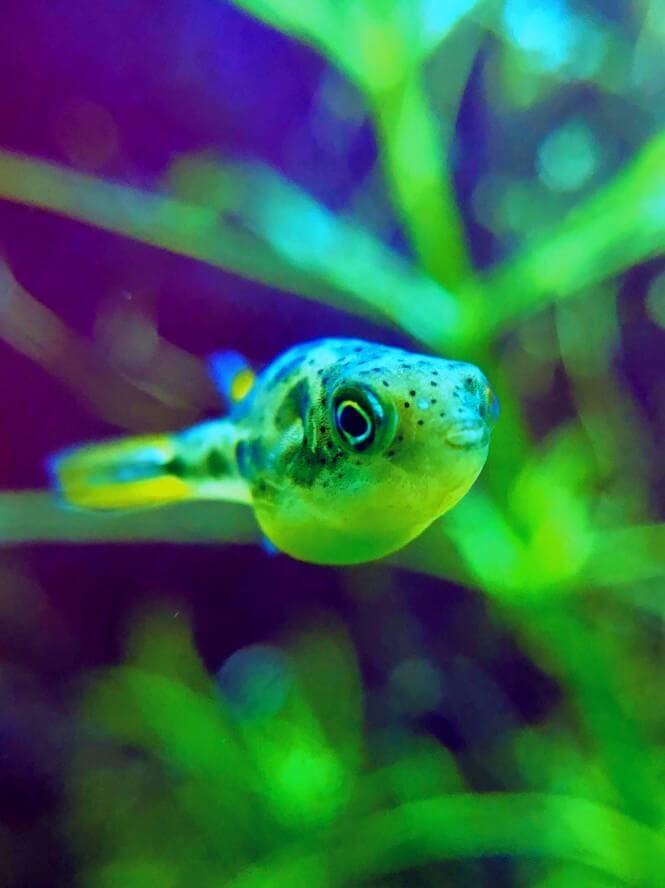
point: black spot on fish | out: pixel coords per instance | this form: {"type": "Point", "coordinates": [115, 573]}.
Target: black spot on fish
{"type": "Point", "coordinates": [421, 422]}
{"type": "Point", "coordinates": [406, 404]}
{"type": "Point", "coordinates": [413, 393]}
{"type": "Point", "coordinates": [216, 464]}
{"type": "Point", "coordinates": [255, 452]}
{"type": "Point", "coordinates": [176, 466]}
{"type": "Point", "coordinates": [390, 453]}
{"type": "Point", "coordinates": [383, 382]}
{"type": "Point", "coordinates": [242, 458]}
{"type": "Point", "coordinates": [306, 467]}
{"type": "Point", "coordinates": [249, 457]}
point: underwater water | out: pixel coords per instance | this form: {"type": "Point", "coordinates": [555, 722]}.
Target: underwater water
{"type": "Point", "coordinates": [180, 702]}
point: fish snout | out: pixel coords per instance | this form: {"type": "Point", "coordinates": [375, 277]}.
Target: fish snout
{"type": "Point", "coordinates": [467, 433]}
{"type": "Point", "coordinates": [474, 421]}
{"type": "Point", "coordinates": [480, 397]}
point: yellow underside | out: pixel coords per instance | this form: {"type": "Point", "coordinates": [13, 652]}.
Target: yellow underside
{"type": "Point", "coordinates": [323, 544]}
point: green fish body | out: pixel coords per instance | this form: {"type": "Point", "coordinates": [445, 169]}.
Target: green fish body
{"type": "Point", "coordinates": [345, 449]}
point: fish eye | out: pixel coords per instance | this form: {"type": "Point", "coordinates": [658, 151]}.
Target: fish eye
{"type": "Point", "coordinates": [360, 419]}
{"type": "Point", "coordinates": [353, 423]}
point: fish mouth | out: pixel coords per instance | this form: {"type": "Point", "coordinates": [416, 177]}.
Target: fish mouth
{"type": "Point", "coordinates": [465, 435]}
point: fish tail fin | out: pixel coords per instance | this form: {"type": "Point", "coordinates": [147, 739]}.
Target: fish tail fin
{"type": "Point", "coordinates": [123, 474]}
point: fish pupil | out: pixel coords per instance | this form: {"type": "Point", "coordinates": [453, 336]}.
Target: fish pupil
{"type": "Point", "coordinates": [353, 422]}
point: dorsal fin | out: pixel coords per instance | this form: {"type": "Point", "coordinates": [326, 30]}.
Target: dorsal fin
{"type": "Point", "coordinates": [232, 374]}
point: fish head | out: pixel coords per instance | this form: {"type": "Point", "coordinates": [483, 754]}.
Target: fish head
{"type": "Point", "coordinates": [391, 441]}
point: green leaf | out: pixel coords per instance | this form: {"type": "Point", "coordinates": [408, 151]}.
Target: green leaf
{"type": "Point", "coordinates": [620, 225]}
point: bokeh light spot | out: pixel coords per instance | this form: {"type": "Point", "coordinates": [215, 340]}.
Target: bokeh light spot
{"type": "Point", "coordinates": [568, 157]}
{"type": "Point", "coordinates": [546, 30]}
{"type": "Point", "coordinates": [309, 783]}
{"type": "Point", "coordinates": [439, 18]}
{"type": "Point", "coordinates": [416, 684]}
{"type": "Point", "coordinates": [255, 681]}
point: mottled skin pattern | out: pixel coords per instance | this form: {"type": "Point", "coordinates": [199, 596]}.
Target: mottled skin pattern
{"type": "Point", "coordinates": [317, 499]}
{"type": "Point", "coordinates": [346, 450]}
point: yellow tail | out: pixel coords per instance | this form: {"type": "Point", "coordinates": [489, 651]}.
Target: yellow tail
{"type": "Point", "coordinates": [123, 474]}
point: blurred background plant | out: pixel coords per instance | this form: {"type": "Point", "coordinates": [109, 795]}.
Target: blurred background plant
{"type": "Point", "coordinates": [485, 180]}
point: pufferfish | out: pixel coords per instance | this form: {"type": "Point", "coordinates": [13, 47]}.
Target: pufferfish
{"type": "Point", "coordinates": [346, 450]}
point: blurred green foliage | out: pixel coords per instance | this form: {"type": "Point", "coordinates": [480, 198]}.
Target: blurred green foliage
{"type": "Point", "coordinates": [560, 534]}
{"type": "Point", "coordinates": [201, 786]}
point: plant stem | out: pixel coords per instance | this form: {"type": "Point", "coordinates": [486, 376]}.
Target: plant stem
{"type": "Point", "coordinates": [415, 167]}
